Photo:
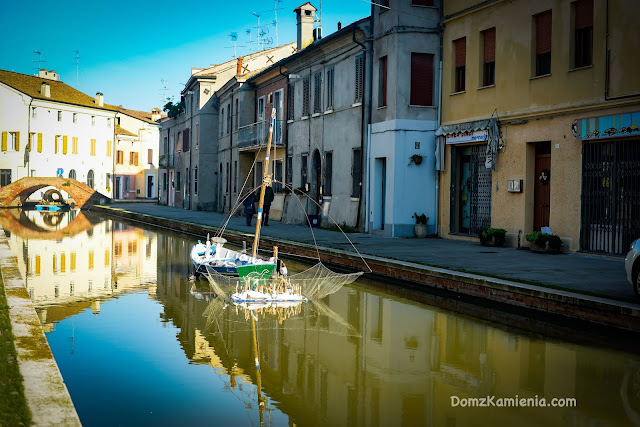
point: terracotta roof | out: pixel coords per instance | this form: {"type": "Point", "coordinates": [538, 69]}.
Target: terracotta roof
{"type": "Point", "coordinates": [121, 131]}
{"type": "Point", "coordinates": [60, 92]}
{"type": "Point", "coordinates": [141, 115]}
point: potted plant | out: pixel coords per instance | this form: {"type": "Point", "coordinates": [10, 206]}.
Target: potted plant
{"type": "Point", "coordinates": [415, 158]}
{"type": "Point", "coordinates": [492, 236]}
{"type": "Point", "coordinates": [544, 243]}
{"type": "Point", "coordinates": [421, 225]}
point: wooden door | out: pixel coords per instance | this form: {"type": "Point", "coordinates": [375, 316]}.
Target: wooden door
{"type": "Point", "coordinates": [542, 184]}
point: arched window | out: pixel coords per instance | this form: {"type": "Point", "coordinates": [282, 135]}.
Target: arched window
{"type": "Point", "coordinates": [90, 178]}
{"type": "Point", "coordinates": [72, 174]}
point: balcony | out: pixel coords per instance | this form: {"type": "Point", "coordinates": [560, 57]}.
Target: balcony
{"type": "Point", "coordinates": [254, 136]}
{"type": "Point", "coordinates": [165, 161]}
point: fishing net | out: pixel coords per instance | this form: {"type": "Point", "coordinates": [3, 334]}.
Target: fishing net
{"type": "Point", "coordinates": [316, 282]}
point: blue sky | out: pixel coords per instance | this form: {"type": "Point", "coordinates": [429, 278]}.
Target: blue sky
{"type": "Point", "coordinates": [126, 48]}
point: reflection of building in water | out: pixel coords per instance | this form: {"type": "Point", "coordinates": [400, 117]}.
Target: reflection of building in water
{"type": "Point", "coordinates": [81, 267]}
{"type": "Point", "coordinates": [402, 365]}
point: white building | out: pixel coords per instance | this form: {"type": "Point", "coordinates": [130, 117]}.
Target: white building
{"type": "Point", "coordinates": [50, 129]}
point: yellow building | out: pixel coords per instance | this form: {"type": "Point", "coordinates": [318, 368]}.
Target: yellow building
{"type": "Point", "coordinates": [541, 121]}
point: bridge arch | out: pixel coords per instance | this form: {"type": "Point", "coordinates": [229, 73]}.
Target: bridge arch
{"type": "Point", "coordinates": [18, 192]}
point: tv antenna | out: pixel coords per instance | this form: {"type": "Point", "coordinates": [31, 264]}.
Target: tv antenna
{"type": "Point", "coordinates": [234, 40]}
{"type": "Point", "coordinates": [164, 90]}
{"type": "Point", "coordinates": [77, 67]}
{"type": "Point", "coordinates": [258, 27]}
{"type": "Point", "coordinates": [39, 60]}
{"type": "Point", "coordinates": [275, 20]}
{"type": "Point", "coordinates": [248, 31]}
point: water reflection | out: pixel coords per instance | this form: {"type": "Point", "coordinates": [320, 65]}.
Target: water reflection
{"type": "Point", "coordinates": [361, 357]}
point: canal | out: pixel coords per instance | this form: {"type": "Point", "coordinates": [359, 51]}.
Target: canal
{"type": "Point", "coordinates": [138, 343]}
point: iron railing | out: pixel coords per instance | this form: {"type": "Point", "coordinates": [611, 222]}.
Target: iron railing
{"type": "Point", "coordinates": [256, 134]}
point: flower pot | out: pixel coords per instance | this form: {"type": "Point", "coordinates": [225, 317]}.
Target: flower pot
{"type": "Point", "coordinates": [534, 247]}
{"type": "Point", "coordinates": [420, 230]}
{"type": "Point", "coordinates": [490, 241]}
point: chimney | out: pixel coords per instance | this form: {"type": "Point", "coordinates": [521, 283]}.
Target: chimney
{"type": "Point", "coordinates": [239, 66]}
{"type": "Point", "coordinates": [45, 89]}
{"type": "Point", "coordinates": [99, 99]}
{"type": "Point", "coordinates": [155, 114]}
{"type": "Point", "coordinates": [49, 75]}
{"type": "Point", "coordinates": [305, 16]}
{"type": "Point", "coordinates": [339, 25]}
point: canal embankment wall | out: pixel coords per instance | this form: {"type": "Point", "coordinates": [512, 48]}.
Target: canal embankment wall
{"type": "Point", "coordinates": [624, 316]}
{"type": "Point", "coordinates": [44, 388]}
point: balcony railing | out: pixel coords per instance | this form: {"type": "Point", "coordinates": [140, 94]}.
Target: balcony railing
{"type": "Point", "coordinates": [256, 134]}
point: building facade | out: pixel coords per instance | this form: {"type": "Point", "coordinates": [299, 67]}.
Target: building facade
{"type": "Point", "coordinates": [540, 121]}
{"type": "Point", "coordinates": [51, 129]}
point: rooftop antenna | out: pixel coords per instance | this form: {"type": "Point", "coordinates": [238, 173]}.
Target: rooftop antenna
{"type": "Point", "coordinates": [39, 60]}
{"type": "Point", "coordinates": [259, 41]}
{"type": "Point", "coordinates": [249, 33]}
{"type": "Point", "coordinates": [164, 90]}
{"type": "Point", "coordinates": [77, 67]}
{"type": "Point", "coordinates": [275, 20]}
{"type": "Point", "coordinates": [234, 40]}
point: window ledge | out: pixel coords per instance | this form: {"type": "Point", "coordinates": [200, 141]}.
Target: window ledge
{"type": "Point", "coordinates": [382, 108]}
{"type": "Point", "coordinates": [329, 111]}
{"type": "Point", "coordinates": [540, 76]}
{"type": "Point", "coordinates": [354, 199]}
{"type": "Point", "coordinates": [356, 104]}
{"type": "Point", "coordinates": [580, 68]}
{"type": "Point", "coordinates": [326, 197]}
{"type": "Point", "coordinates": [486, 87]}
{"type": "Point", "coordinates": [457, 93]}
{"type": "Point", "coordinates": [289, 121]}
{"type": "Point", "coordinates": [421, 106]}
{"type": "Point", "coordinates": [315, 114]}
{"type": "Point", "coordinates": [304, 118]}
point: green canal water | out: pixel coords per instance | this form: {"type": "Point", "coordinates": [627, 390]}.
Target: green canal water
{"type": "Point", "coordinates": [139, 344]}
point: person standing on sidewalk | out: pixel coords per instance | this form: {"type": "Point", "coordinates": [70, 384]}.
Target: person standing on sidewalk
{"type": "Point", "coordinates": [268, 198]}
{"type": "Point", "coordinates": [249, 208]}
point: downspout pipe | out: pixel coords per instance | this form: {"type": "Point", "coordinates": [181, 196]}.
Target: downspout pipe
{"type": "Point", "coordinates": [285, 126]}
{"type": "Point", "coordinates": [439, 122]}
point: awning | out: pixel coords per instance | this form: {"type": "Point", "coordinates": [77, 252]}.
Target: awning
{"type": "Point", "coordinates": [488, 125]}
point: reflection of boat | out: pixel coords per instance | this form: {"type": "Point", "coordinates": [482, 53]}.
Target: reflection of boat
{"type": "Point", "coordinates": [53, 207]}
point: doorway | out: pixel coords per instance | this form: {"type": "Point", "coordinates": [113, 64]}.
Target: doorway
{"type": "Point", "coordinates": [541, 187]}
{"type": "Point", "coordinates": [150, 185]}
{"type": "Point", "coordinates": [379, 193]}
{"type": "Point", "coordinates": [118, 188]}
{"type": "Point", "coordinates": [464, 213]}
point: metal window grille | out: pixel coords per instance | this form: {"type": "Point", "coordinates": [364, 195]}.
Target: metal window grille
{"type": "Point", "coordinates": [305, 97]}
{"type": "Point", "coordinates": [317, 93]}
{"type": "Point", "coordinates": [290, 101]}
{"type": "Point", "coordinates": [330, 73]}
{"type": "Point", "coordinates": [359, 78]}
{"type": "Point", "coordinates": [328, 173]}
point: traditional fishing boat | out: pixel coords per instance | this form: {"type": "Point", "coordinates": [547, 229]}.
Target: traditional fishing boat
{"type": "Point", "coordinates": [215, 256]}
{"type": "Point", "coordinates": [258, 280]}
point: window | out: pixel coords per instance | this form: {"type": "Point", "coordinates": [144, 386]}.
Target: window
{"type": "Point", "coordinates": [303, 171]}
{"type": "Point", "coordinates": [421, 79]}
{"type": "Point", "coordinates": [460, 47]}
{"type": "Point", "coordinates": [126, 184]}
{"type": "Point", "coordinates": [277, 186]}
{"type": "Point", "coordinates": [109, 122]}
{"type": "Point", "coordinates": [179, 143]}
{"type": "Point", "coordinates": [93, 120]}
{"type": "Point", "coordinates": [74, 146]}
{"type": "Point", "coordinates": [305, 97]}
{"type": "Point", "coordinates": [356, 173]}
{"type": "Point", "coordinates": [133, 158]}
{"type": "Point", "coordinates": [59, 116]}
{"type": "Point", "coordinates": [11, 140]}
{"type": "Point", "coordinates": [583, 33]}
{"type": "Point", "coordinates": [328, 173]}
{"type": "Point", "coordinates": [75, 117]}
{"type": "Point", "coordinates": [150, 156]}
{"type": "Point", "coordinates": [195, 180]}
{"type": "Point", "coordinates": [119, 157]}
{"type": "Point", "coordinates": [261, 109]}
{"type": "Point", "coordinates": [64, 144]}
{"type": "Point", "coordinates": [90, 178]}
{"type": "Point", "coordinates": [165, 183]}
{"type": "Point", "coordinates": [195, 137]}
{"type": "Point", "coordinates": [382, 82]}
{"type": "Point", "coordinates": [222, 122]}
{"type": "Point", "coordinates": [317, 93]}
{"type": "Point", "coordinates": [5, 177]}
{"type": "Point", "coordinates": [177, 183]}
{"type": "Point", "coordinates": [93, 147]}
{"type": "Point", "coordinates": [489, 57]}
{"type": "Point", "coordinates": [289, 171]}
{"type": "Point", "coordinates": [259, 174]}
{"type": "Point", "coordinates": [235, 176]}
{"type": "Point", "coordinates": [237, 115]}
{"type": "Point", "coordinates": [359, 78]}
{"type": "Point", "coordinates": [185, 140]}
{"type": "Point", "coordinates": [290, 101]}
{"type": "Point", "coordinates": [228, 179]}
{"type": "Point", "coordinates": [34, 112]}
{"type": "Point", "coordinates": [228, 118]}
{"type": "Point", "coordinates": [543, 43]}
{"type": "Point", "coordinates": [330, 73]}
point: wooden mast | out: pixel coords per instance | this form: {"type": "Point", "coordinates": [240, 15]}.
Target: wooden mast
{"type": "Point", "coordinates": [265, 181]}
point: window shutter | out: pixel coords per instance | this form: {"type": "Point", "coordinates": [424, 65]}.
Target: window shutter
{"type": "Point", "coordinates": [17, 141]}
{"type": "Point", "coordinates": [543, 32]}
{"type": "Point", "coordinates": [461, 52]}
{"type": "Point", "coordinates": [93, 147]}
{"type": "Point", "coordinates": [108, 148]}
{"type": "Point", "coordinates": [39, 143]}
{"type": "Point", "coordinates": [64, 144]}
{"type": "Point", "coordinates": [74, 143]}
{"type": "Point", "coordinates": [55, 148]}
{"type": "Point", "coordinates": [584, 14]}
{"type": "Point", "coordinates": [490, 45]}
{"type": "Point", "coordinates": [136, 158]}
{"type": "Point", "coordinates": [4, 141]}
{"type": "Point", "coordinates": [150, 157]}
{"type": "Point", "coordinates": [421, 79]}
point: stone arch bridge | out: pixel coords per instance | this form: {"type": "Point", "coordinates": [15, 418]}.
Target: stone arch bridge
{"type": "Point", "coordinates": [16, 193]}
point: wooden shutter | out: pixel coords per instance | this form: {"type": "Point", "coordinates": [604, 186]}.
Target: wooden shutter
{"type": "Point", "coordinates": [584, 14]}
{"type": "Point", "coordinates": [150, 156]}
{"type": "Point", "coordinates": [543, 32]}
{"type": "Point", "coordinates": [17, 141]}
{"type": "Point", "coordinates": [74, 143]}
{"type": "Point", "coordinates": [490, 45]}
{"type": "Point", "coordinates": [461, 52]}
{"type": "Point", "coordinates": [55, 147]}
{"type": "Point", "coordinates": [93, 147]}
{"type": "Point", "coordinates": [39, 143]}
{"type": "Point", "coordinates": [421, 79]}
{"type": "Point", "coordinates": [4, 141]}
{"type": "Point", "coordinates": [64, 144]}
{"type": "Point", "coordinates": [136, 158]}
{"type": "Point", "coordinates": [108, 148]}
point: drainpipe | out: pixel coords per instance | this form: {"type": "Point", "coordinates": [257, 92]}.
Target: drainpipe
{"type": "Point", "coordinates": [438, 124]}
{"type": "Point", "coordinates": [190, 148]}
{"type": "Point", "coordinates": [285, 130]}
{"type": "Point", "coordinates": [230, 152]}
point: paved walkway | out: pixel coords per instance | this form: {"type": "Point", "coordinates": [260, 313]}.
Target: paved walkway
{"type": "Point", "coordinates": [595, 275]}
